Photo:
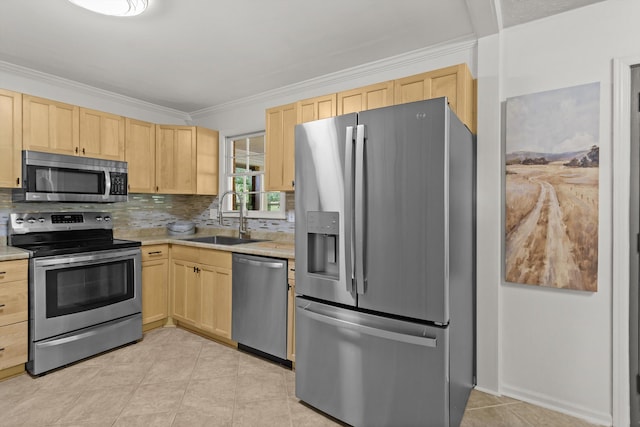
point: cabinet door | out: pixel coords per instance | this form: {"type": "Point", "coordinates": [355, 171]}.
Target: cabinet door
{"type": "Point", "coordinates": [10, 139]}
{"type": "Point", "coordinates": [13, 344]}
{"type": "Point", "coordinates": [185, 291]}
{"type": "Point", "coordinates": [456, 83]}
{"type": "Point", "coordinates": [279, 148]}
{"type": "Point", "coordinates": [50, 126]}
{"type": "Point", "coordinates": [101, 135]}
{"type": "Point", "coordinates": [176, 159]}
{"type": "Point", "coordinates": [207, 161]}
{"type": "Point", "coordinates": [365, 98]}
{"type": "Point", "coordinates": [320, 107]}
{"type": "Point", "coordinates": [140, 154]}
{"type": "Point", "coordinates": [154, 290]}
{"type": "Point", "coordinates": [222, 302]}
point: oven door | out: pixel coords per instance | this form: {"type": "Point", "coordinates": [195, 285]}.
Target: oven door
{"type": "Point", "coordinates": [70, 292]}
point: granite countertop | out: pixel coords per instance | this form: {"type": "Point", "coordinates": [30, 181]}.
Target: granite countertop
{"type": "Point", "coordinates": [275, 245]}
{"type": "Point", "coordinates": [8, 253]}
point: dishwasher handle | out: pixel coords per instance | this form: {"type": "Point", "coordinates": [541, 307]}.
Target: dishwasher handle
{"type": "Point", "coordinates": [254, 263]}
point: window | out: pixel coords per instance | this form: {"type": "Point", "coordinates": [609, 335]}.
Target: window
{"type": "Point", "coordinates": [244, 174]}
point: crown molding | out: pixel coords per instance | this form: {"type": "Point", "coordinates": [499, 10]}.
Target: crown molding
{"type": "Point", "coordinates": [63, 83]}
{"type": "Point", "coordinates": [364, 70]}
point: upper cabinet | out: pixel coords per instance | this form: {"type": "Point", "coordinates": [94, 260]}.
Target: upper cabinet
{"type": "Point", "coordinates": [279, 147]}
{"type": "Point", "coordinates": [50, 126]}
{"type": "Point", "coordinates": [456, 83]}
{"type": "Point", "coordinates": [10, 138]}
{"type": "Point", "coordinates": [101, 135]}
{"type": "Point", "coordinates": [186, 160]}
{"type": "Point", "coordinates": [176, 159]}
{"type": "Point", "coordinates": [140, 154]}
{"type": "Point", "coordinates": [320, 107]}
{"type": "Point", "coordinates": [365, 98]}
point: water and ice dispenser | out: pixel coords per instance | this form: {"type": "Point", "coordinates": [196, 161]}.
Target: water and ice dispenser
{"type": "Point", "coordinates": [323, 240]}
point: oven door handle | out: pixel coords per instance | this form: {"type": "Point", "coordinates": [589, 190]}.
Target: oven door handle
{"type": "Point", "coordinates": [79, 259]}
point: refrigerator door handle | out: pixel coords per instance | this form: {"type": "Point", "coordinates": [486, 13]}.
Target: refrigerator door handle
{"type": "Point", "coordinates": [360, 225]}
{"type": "Point", "coordinates": [349, 201]}
{"type": "Point", "coordinates": [409, 338]}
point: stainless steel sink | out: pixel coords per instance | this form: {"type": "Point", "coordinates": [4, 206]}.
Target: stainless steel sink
{"type": "Point", "coordinates": [222, 240]}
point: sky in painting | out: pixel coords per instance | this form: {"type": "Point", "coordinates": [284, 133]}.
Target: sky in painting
{"type": "Point", "coordinates": [557, 121]}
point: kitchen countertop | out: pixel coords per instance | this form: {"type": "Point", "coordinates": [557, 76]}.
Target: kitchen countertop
{"type": "Point", "coordinates": [271, 248]}
{"type": "Point", "coordinates": [8, 253]}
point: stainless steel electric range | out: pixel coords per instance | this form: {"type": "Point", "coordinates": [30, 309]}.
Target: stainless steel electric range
{"type": "Point", "coordinates": [84, 286]}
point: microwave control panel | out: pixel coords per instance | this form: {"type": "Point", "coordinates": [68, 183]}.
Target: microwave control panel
{"type": "Point", "coordinates": [118, 183]}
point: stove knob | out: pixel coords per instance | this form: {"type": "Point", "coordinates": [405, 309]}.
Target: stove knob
{"type": "Point", "coordinates": [107, 218]}
{"type": "Point", "coordinates": [41, 220]}
{"type": "Point", "coordinates": [31, 220]}
{"type": "Point", "coordinates": [19, 221]}
{"type": "Point", "coordinates": [98, 218]}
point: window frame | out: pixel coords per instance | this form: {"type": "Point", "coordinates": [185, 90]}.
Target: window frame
{"type": "Point", "coordinates": [226, 177]}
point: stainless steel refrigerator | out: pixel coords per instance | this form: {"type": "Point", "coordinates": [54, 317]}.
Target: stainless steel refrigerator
{"type": "Point", "coordinates": [385, 265]}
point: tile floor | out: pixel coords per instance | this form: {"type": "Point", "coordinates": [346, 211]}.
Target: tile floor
{"type": "Point", "coordinates": [175, 378]}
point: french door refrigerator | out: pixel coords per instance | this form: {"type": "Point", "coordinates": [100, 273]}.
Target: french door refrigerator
{"type": "Point", "coordinates": [385, 265]}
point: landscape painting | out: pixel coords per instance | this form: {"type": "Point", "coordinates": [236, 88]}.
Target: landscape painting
{"type": "Point", "coordinates": [551, 203]}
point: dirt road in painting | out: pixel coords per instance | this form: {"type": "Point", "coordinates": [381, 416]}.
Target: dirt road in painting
{"type": "Point", "coordinates": [544, 242]}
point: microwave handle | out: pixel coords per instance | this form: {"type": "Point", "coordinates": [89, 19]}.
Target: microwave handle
{"type": "Point", "coordinates": [107, 182]}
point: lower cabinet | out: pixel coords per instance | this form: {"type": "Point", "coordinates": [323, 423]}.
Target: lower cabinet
{"type": "Point", "coordinates": [201, 289]}
{"type": "Point", "coordinates": [155, 272]}
{"type": "Point", "coordinates": [13, 317]}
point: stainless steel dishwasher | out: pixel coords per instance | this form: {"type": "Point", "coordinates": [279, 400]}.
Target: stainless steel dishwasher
{"type": "Point", "coordinates": [259, 300]}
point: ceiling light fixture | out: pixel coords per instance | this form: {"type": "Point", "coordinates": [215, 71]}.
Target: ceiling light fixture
{"type": "Point", "coordinates": [114, 7]}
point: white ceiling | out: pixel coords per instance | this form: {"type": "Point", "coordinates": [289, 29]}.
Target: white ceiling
{"type": "Point", "coordinates": [194, 54]}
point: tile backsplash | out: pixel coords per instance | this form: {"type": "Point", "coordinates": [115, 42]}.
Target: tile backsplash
{"type": "Point", "coordinates": [147, 211]}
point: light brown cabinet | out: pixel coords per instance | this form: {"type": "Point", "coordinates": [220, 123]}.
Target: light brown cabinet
{"type": "Point", "coordinates": [13, 316]}
{"type": "Point", "coordinates": [140, 154]}
{"type": "Point", "coordinates": [101, 135]}
{"type": "Point", "coordinates": [201, 289]}
{"type": "Point", "coordinates": [155, 283]}
{"type": "Point", "coordinates": [456, 83]}
{"type": "Point", "coordinates": [10, 139]}
{"type": "Point", "coordinates": [320, 107]}
{"type": "Point", "coordinates": [291, 311]}
{"type": "Point", "coordinates": [50, 126]}
{"type": "Point", "coordinates": [279, 147]}
{"type": "Point", "coordinates": [365, 98]}
{"type": "Point", "coordinates": [186, 160]}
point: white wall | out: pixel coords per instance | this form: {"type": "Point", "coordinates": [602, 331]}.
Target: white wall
{"type": "Point", "coordinates": [554, 347]}
{"type": "Point", "coordinates": [24, 80]}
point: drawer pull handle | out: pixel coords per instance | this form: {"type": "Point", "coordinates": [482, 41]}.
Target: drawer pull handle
{"type": "Point", "coordinates": [1, 348]}
{"type": "Point", "coordinates": [2, 305]}
{"type": "Point", "coordinates": [154, 253]}
{"type": "Point", "coordinates": [2, 273]}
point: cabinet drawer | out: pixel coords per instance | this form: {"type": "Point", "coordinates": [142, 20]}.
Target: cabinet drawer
{"type": "Point", "coordinates": [291, 269]}
{"type": "Point", "coordinates": [13, 345]}
{"type": "Point", "coordinates": [186, 253]}
{"type": "Point", "coordinates": [152, 252]}
{"type": "Point", "coordinates": [13, 270]}
{"type": "Point", "coordinates": [215, 258]}
{"type": "Point", "coordinates": [13, 302]}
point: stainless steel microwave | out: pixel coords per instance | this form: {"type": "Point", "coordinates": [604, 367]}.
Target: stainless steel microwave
{"type": "Point", "coordinates": [50, 177]}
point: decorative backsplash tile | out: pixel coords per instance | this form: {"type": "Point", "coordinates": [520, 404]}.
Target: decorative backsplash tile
{"type": "Point", "coordinates": [148, 211]}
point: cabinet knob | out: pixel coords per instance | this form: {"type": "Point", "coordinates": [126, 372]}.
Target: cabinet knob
{"type": "Point", "coordinates": [83, 151]}
{"type": "Point", "coordinates": [76, 150]}
{"type": "Point", "coordinates": [17, 181]}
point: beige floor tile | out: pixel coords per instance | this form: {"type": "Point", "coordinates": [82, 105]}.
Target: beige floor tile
{"type": "Point", "coordinates": [250, 364]}
{"type": "Point", "coordinates": [71, 378]}
{"type": "Point", "coordinates": [198, 419]}
{"type": "Point", "coordinates": [156, 398]}
{"type": "Point", "coordinates": [118, 375]}
{"type": "Point", "coordinates": [211, 397]}
{"type": "Point", "coordinates": [96, 406]}
{"type": "Point", "coordinates": [40, 409]}
{"type": "Point", "coordinates": [494, 416]}
{"type": "Point", "coordinates": [263, 386]}
{"type": "Point", "coordinates": [170, 370]}
{"type": "Point", "coordinates": [542, 417]}
{"type": "Point", "coordinates": [290, 382]}
{"type": "Point", "coordinates": [164, 419]}
{"type": "Point", "coordinates": [212, 349]}
{"type": "Point", "coordinates": [268, 413]}
{"type": "Point", "coordinates": [224, 365]}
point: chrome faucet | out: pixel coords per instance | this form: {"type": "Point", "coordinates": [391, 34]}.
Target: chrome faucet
{"type": "Point", "coordinates": [242, 227]}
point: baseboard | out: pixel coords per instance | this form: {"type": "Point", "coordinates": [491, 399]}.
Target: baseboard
{"type": "Point", "coordinates": [568, 408]}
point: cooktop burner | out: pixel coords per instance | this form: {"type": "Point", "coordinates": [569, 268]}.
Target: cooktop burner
{"type": "Point", "coordinates": [62, 233]}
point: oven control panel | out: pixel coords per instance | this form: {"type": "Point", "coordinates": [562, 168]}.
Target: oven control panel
{"type": "Point", "coordinates": [22, 223]}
